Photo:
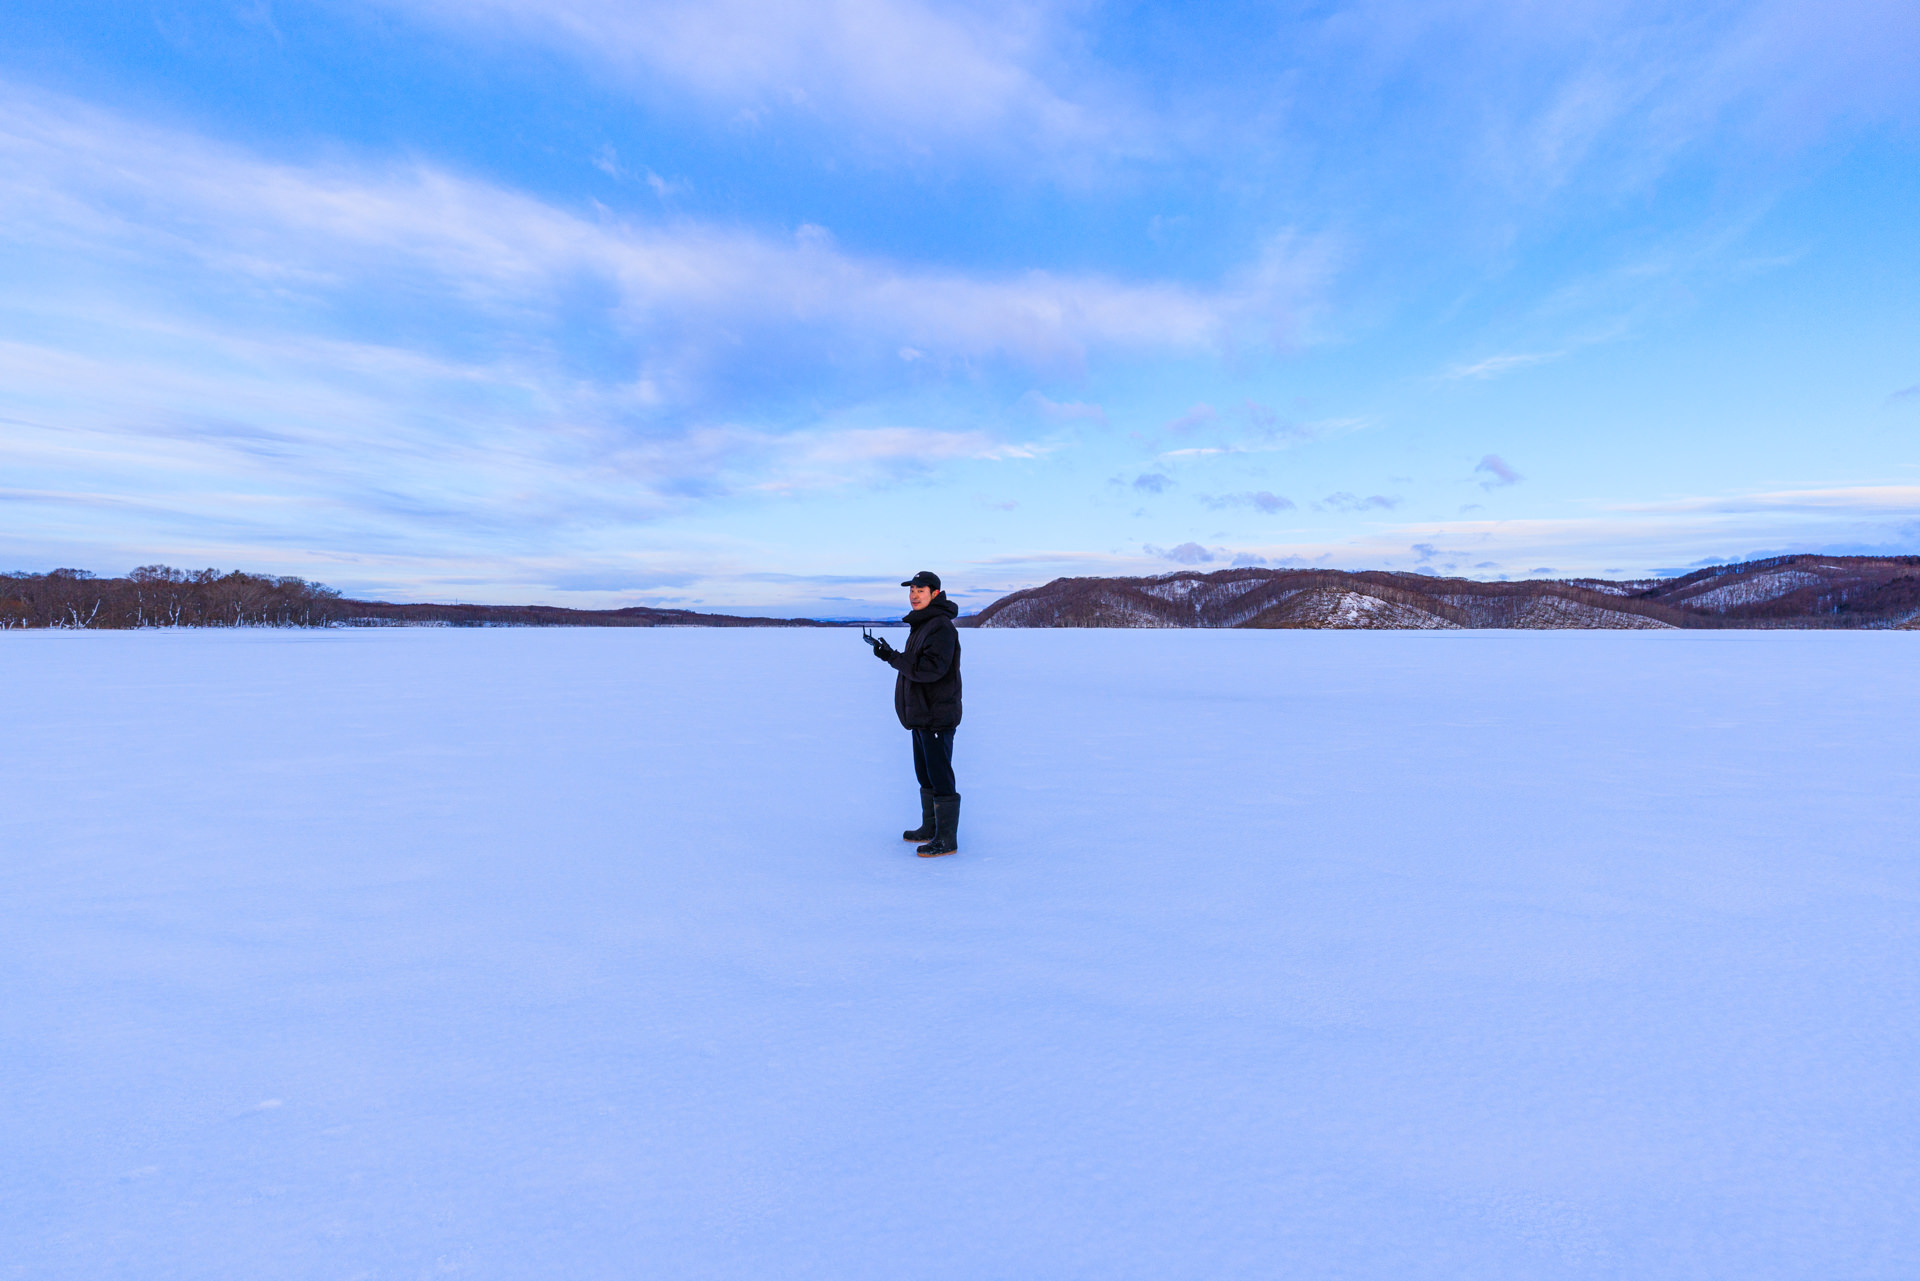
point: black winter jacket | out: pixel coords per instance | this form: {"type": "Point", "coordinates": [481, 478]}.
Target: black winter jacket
{"type": "Point", "coordinates": [927, 691]}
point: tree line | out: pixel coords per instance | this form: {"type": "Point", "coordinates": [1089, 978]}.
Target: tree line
{"type": "Point", "coordinates": [162, 596]}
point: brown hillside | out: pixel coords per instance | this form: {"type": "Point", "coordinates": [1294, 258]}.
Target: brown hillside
{"type": "Point", "coordinates": [1782, 591]}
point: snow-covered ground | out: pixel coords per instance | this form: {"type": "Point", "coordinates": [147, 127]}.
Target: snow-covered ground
{"type": "Point", "coordinates": [596, 954]}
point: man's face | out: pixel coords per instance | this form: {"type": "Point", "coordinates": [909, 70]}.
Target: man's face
{"type": "Point", "coordinates": [918, 597]}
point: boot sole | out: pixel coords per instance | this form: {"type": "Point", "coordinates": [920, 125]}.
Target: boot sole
{"type": "Point", "coordinates": [936, 853]}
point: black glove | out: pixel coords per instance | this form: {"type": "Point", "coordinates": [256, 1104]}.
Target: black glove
{"type": "Point", "coordinates": [881, 650]}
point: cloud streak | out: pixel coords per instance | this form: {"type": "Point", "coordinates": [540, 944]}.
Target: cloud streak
{"type": "Point", "coordinates": [1632, 540]}
{"type": "Point", "coordinates": [1534, 100]}
{"type": "Point", "coordinates": [1494, 366]}
{"type": "Point", "coordinates": [682, 294]}
{"type": "Point", "coordinates": [1874, 499]}
{"type": "Point", "coordinates": [902, 74]}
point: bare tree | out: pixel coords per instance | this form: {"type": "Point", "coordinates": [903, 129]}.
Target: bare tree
{"type": "Point", "coordinates": [161, 596]}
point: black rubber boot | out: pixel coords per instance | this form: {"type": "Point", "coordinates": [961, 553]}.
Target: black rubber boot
{"type": "Point", "coordinates": [926, 830]}
{"type": "Point", "coordinates": [946, 824]}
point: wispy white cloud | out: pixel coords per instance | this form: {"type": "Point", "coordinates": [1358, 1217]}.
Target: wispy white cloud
{"type": "Point", "coordinates": [827, 459]}
{"type": "Point", "coordinates": [1634, 539]}
{"type": "Point", "coordinates": [1048, 557]}
{"type": "Point", "coordinates": [1493, 366]}
{"type": "Point", "coordinates": [83, 181]}
{"type": "Point", "coordinates": [1799, 69]}
{"type": "Point", "coordinates": [1536, 98]}
{"type": "Point", "coordinates": [1272, 436]}
{"type": "Point", "coordinates": [1530, 99]}
{"type": "Point", "coordinates": [895, 72]}
{"type": "Point", "coordinates": [1064, 411]}
{"type": "Point", "coordinates": [607, 161]}
{"type": "Point", "coordinates": [1878, 499]}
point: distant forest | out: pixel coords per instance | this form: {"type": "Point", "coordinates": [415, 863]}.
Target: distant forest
{"type": "Point", "coordinates": [161, 596]}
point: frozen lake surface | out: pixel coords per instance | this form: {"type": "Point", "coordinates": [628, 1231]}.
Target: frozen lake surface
{"type": "Point", "coordinates": [596, 954]}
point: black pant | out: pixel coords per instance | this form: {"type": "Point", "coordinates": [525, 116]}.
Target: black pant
{"type": "Point", "coordinates": [933, 759]}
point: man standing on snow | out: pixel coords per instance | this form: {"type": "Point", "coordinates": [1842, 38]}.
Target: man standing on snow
{"type": "Point", "coordinates": [926, 694]}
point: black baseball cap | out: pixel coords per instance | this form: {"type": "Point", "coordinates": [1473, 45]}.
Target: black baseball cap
{"type": "Point", "coordinates": [925, 578]}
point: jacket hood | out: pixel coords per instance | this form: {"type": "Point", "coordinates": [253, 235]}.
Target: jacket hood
{"type": "Point", "coordinates": [941, 604]}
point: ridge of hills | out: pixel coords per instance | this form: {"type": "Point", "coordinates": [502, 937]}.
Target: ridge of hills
{"type": "Point", "coordinates": [1792, 591]}
{"type": "Point", "coordinates": [162, 596]}
{"type": "Point", "coordinates": [378, 613]}
{"type": "Point", "coordinates": [1799, 591]}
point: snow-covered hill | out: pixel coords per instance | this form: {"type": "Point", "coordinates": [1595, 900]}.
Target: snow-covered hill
{"type": "Point", "coordinates": [595, 954]}
{"type": "Point", "coordinates": [1780, 591]}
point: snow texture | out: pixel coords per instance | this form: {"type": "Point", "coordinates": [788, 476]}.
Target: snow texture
{"type": "Point", "coordinates": [1192, 586]}
{"type": "Point", "coordinates": [1554, 611]}
{"type": "Point", "coordinates": [595, 954]}
{"type": "Point", "coordinates": [1331, 607]}
{"type": "Point", "coordinates": [1755, 590]}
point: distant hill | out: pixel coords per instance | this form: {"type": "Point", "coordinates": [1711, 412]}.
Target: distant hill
{"type": "Point", "coordinates": [1781, 591]}
{"type": "Point", "coordinates": [366, 612]}
{"type": "Point", "coordinates": [162, 596]}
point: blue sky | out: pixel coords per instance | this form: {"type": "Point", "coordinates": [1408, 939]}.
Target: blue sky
{"type": "Point", "coordinates": [764, 306]}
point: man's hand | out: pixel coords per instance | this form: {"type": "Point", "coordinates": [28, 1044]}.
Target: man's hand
{"type": "Point", "coordinates": [881, 650]}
